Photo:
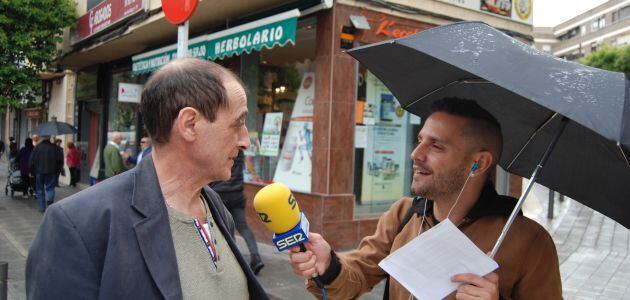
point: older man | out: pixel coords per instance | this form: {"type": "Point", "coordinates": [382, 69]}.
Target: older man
{"type": "Point", "coordinates": [155, 232]}
{"type": "Point", "coordinates": [112, 158]}
{"type": "Point", "coordinates": [458, 147]}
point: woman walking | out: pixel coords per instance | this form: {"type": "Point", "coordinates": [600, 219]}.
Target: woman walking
{"type": "Point", "coordinates": [73, 159]}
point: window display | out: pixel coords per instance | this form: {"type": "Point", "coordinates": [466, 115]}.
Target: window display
{"type": "Point", "coordinates": [281, 85]}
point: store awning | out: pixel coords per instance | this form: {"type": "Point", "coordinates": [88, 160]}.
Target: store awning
{"type": "Point", "coordinates": [277, 30]}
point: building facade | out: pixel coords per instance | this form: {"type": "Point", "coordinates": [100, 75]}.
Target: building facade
{"type": "Point", "coordinates": [608, 23]}
{"type": "Point", "coordinates": [319, 121]}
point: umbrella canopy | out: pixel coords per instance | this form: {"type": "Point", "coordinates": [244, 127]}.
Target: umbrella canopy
{"type": "Point", "coordinates": [54, 128]}
{"type": "Point", "coordinates": [529, 92]}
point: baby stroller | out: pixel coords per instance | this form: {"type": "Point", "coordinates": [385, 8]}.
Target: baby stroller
{"type": "Point", "coordinates": [15, 182]}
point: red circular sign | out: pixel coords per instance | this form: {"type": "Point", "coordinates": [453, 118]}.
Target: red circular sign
{"type": "Point", "coordinates": [178, 11]}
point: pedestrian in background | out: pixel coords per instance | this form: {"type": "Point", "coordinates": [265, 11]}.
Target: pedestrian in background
{"type": "Point", "coordinates": [145, 149]}
{"type": "Point", "coordinates": [22, 157]}
{"type": "Point", "coordinates": [73, 159]}
{"type": "Point", "coordinates": [231, 193]}
{"type": "Point", "coordinates": [13, 148]}
{"type": "Point", "coordinates": [62, 171]}
{"type": "Point", "coordinates": [45, 163]}
{"type": "Point", "coordinates": [112, 158]}
{"type": "Point", "coordinates": [1, 148]}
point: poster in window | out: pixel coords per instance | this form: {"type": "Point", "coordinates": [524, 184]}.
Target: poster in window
{"type": "Point", "coordinates": [253, 160]}
{"type": "Point", "coordinates": [385, 161]}
{"type": "Point", "coordinates": [294, 165]}
{"type": "Point", "coordinates": [270, 142]}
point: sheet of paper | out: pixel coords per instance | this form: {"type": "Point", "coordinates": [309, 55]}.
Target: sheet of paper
{"type": "Point", "coordinates": [426, 265]}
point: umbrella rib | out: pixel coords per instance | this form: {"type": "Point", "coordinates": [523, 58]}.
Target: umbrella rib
{"type": "Point", "coordinates": [531, 137]}
{"type": "Point", "coordinates": [623, 154]}
{"type": "Point", "coordinates": [469, 80]}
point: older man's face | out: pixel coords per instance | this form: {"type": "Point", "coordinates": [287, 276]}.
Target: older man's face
{"type": "Point", "coordinates": [221, 140]}
{"type": "Point", "coordinates": [145, 142]}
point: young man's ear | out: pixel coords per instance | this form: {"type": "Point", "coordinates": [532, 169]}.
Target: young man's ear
{"type": "Point", "coordinates": [483, 163]}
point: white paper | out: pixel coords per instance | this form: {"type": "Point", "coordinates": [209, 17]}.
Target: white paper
{"type": "Point", "coordinates": [426, 265]}
{"type": "Point", "coordinates": [360, 136]}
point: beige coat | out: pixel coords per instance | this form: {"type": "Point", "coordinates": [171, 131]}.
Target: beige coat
{"type": "Point", "coordinates": [528, 262]}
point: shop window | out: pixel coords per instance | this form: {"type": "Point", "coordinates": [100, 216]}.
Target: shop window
{"type": "Point", "coordinates": [385, 135]}
{"type": "Point", "coordinates": [123, 108]}
{"type": "Point", "coordinates": [281, 87]}
{"type": "Point", "coordinates": [86, 84]}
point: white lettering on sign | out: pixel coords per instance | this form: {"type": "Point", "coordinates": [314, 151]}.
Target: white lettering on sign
{"type": "Point", "coordinates": [247, 40]}
{"type": "Point", "coordinates": [100, 18]}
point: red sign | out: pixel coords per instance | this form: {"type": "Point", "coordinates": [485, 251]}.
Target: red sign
{"type": "Point", "coordinates": [104, 15]}
{"type": "Point", "coordinates": [178, 11]}
{"type": "Point", "coordinates": [34, 113]}
{"type": "Point", "coordinates": [385, 27]}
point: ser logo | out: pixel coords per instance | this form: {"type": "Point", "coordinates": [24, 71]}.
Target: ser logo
{"type": "Point", "coordinates": [292, 201]}
{"type": "Point", "coordinates": [264, 217]}
{"type": "Point", "coordinates": [290, 241]}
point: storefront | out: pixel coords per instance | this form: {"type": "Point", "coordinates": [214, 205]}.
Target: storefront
{"type": "Point", "coordinates": [318, 121]}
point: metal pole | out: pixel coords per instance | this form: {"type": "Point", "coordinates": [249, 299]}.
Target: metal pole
{"type": "Point", "coordinates": [519, 204]}
{"type": "Point", "coordinates": [4, 271]}
{"type": "Point", "coordinates": [182, 40]}
{"type": "Point", "coordinates": [552, 195]}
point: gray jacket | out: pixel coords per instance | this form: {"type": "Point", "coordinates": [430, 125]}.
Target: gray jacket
{"type": "Point", "coordinates": [113, 241]}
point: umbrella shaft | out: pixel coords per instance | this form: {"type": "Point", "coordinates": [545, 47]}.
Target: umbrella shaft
{"type": "Point", "coordinates": [519, 204]}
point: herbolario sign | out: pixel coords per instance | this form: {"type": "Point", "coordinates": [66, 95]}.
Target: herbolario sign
{"type": "Point", "coordinates": [278, 33]}
{"type": "Point", "coordinates": [277, 30]}
{"type": "Point", "coordinates": [104, 15]}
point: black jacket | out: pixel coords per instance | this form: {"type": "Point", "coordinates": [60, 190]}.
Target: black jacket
{"type": "Point", "coordinates": [113, 241]}
{"type": "Point", "coordinates": [235, 183]}
{"type": "Point", "coordinates": [45, 159]}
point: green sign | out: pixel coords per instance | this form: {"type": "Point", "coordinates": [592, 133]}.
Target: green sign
{"type": "Point", "coordinates": [270, 35]}
{"type": "Point", "coordinates": [154, 60]}
{"type": "Point", "coordinates": [267, 32]}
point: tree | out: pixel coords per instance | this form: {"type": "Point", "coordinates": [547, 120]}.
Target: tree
{"type": "Point", "coordinates": [29, 33]}
{"type": "Point", "coordinates": [610, 58]}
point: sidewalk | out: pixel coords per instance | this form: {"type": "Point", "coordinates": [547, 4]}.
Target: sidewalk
{"type": "Point", "coordinates": [593, 250]}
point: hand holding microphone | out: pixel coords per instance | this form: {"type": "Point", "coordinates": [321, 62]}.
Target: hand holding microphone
{"type": "Point", "coordinates": [280, 213]}
{"type": "Point", "coordinates": [315, 260]}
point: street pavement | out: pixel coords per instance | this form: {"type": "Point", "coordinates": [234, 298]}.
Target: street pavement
{"type": "Point", "coordinates": [592, 249]}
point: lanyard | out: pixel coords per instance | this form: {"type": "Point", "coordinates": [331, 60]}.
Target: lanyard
{"type": "Point", "coordinates": [207, 238]}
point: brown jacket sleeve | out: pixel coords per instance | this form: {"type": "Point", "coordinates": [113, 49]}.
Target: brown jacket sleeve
{"type": "Point", "coordinates": [359, 268]}
{"type": "Point", "coordinates": [540, 272]}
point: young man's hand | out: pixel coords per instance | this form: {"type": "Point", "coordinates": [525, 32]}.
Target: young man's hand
{"type": "Point", "coordinates": [477, 287]}
{"type": "Point", "coordinates": [315, 260]}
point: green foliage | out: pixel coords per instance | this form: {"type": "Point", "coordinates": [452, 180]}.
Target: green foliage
{"type": "Point", "coordinates": [610, 58]}
{"type": "Point", "coordinates": [29, 32]}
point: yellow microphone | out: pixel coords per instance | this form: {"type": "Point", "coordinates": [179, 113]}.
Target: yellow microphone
{"type": "Point", "coordinates": [278, 210]}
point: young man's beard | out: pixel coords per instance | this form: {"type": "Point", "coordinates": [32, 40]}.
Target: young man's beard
{"type": "Point", "coordinates": [448, 183]}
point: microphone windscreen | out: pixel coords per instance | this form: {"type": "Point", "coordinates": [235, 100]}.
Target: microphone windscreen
{"type": "Point", "coordinates": [277, 208]}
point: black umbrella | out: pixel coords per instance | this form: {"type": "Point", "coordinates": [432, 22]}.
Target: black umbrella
{"type": "Point", "coordinates": [54, 128]}
{"type": "Point", "coordinates": [538, 99]}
